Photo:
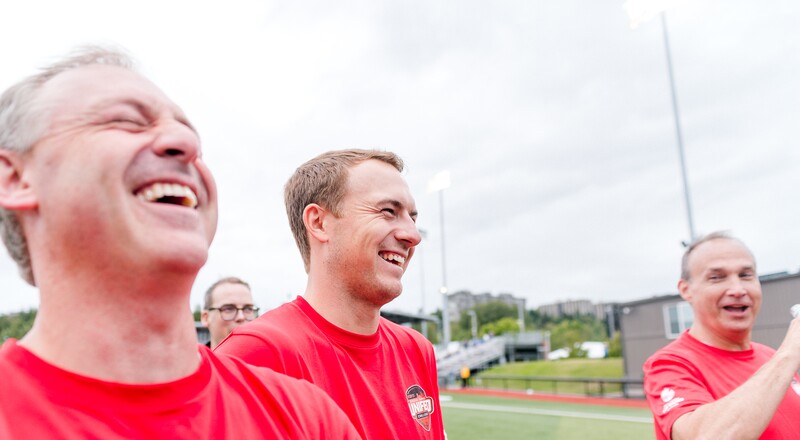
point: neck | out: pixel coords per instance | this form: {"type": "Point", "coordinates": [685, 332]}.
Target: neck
{"type": "Point", "coordinates": [131, 329]}
{"type": "Point", "coordinates": [342, 309]}
{"type": "Point", "coordinates": [733, 342]}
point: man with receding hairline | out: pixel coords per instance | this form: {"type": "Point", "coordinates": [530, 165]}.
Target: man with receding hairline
{"type": "Point", "coordinates": [108, 209]}
{"type": "Point", "coordinates": [713, 382]}
{"type": "Point", "coordinates": [227, 304]}
{"type": "Point", "coordinates": [354, 221]}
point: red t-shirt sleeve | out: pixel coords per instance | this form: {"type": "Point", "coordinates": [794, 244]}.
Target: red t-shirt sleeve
{"type": "Point", "coordinates": [673, 388]}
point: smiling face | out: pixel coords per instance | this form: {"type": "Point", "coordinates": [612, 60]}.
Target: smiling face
{"type": "Point", "coordinates": [117, 176]}
{"type": "Point", "coordinates": [373, 239]}
{"type": "Point", "coordinates": [724, 292]}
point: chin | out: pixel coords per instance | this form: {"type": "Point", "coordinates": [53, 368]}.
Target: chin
{"type": "Point", "coordinates": [184, 259]}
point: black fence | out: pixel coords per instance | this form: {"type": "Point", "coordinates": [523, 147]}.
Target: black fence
{"type": "Point", "coordinates": [588, 386]}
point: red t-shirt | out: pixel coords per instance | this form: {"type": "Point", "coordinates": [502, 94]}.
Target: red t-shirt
{"type": "Point", "coordinates": [688, 373]}
{"type": "Point", "coordinates": [386, 382]}
{"type": "Point", "coordinates": [223, 399]}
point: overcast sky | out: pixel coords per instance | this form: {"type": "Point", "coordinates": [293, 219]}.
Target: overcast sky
{"type": "Point", "coordinates": [554, 119]}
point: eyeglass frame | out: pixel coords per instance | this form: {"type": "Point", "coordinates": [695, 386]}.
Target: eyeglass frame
{"type": "Point", "coordinates": [253, 315]}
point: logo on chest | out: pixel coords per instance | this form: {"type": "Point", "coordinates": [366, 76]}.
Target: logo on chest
{"type": "Point", "coordinates": [420, 405]}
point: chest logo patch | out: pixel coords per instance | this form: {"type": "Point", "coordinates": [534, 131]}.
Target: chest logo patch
{"type": "Point", "coordinates": [420, 405]}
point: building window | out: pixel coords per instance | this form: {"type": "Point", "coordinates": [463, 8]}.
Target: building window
{"type": "Point", "coordinates": [677, 318]}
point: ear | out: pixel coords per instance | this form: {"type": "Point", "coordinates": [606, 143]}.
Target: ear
{"type": "Point", "coordinates": [315, 219]}
{"type": "Point", "coordinates": [683, 289]}
{"type": "Point", "coordinates": [204, 317]}
{"type": "Point", "coordinates": [16, 193]}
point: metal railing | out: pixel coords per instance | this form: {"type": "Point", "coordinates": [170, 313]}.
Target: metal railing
{"type": "Point", "coordinates": [589, 386]}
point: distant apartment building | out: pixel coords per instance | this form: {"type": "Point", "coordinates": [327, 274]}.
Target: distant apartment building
{"type": "Point", "coordinates": [464, 300]}
{"type": "Point", "coordinates": [574, 308]}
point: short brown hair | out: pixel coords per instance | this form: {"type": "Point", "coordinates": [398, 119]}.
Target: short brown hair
{"type": "Point", "coordinates": [208, 298]}
{"type": "Point", "coordinates": [716, 235]}
{"type": "Point", "coordinates": [323, 181]}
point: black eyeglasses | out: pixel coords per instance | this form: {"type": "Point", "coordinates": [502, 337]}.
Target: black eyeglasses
{"type": "Point", "coordinates": [228, 312]}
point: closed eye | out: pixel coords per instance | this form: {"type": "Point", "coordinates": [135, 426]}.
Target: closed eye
{"type": "Point", "coordinates": [388, 211]}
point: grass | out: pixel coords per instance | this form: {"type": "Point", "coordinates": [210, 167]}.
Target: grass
{"type": "Point", "coordinates": [468, 417]}
{"type": "Point", "coordinates": [605, 368]}
{"type": "Point", "coordinates": [609, 367]}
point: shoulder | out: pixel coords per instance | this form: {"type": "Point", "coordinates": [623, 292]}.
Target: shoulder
{"type": "Point", "coordinates": [279, 339]}
{"type": "Point", "coordinates": [680, 349]}
{"type": "Point", "coordinates": [406, 339]}
{"type": "Point", "coordinates": [406, 334]}
{"type": "Point", "coordinates": [274, 325]}
{"type": "Point", "coordinates": [275, 319]}
{"type": "Point", "coordinates": [287, 398]}
{"type": "Point", "coordinates": [762, 349]}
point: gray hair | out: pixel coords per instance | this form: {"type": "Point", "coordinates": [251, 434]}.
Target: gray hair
{"type": "Point", "coordinates": [21, 126]}
{"type": "Point", "coordinates": [716, 235]}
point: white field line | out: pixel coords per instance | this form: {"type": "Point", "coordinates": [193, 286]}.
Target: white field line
{"type": "Point", "coordinates": [545, 412]}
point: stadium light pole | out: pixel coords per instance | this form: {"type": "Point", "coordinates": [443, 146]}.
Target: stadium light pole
{"type": "Point", "coordinates": [439, 183]}
{"type": "Point", "coordinates": [640, 11]}
{"type": "Point", "coordinates": [474, 319]}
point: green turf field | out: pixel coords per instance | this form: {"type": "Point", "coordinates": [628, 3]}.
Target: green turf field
{"type": "Point", "coordinates": [610, 367]}
{"type": "Point", "coordinates": [468, 417]}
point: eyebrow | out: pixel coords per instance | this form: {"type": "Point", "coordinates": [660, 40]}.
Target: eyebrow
{"type": "Point", "coordinates": [398, 205]}
{"type": "Point", "coordinates": [723, 269]}
{"type": "Point", "coordinates": [148, 110]}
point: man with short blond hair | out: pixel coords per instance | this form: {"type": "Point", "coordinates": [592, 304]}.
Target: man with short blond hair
{"type": "Point", "coordinates": [107, 207]}
{"type": "Point", "coordinates": [713, 382]}
{"type": "Point", "coordinates": [354, 221]}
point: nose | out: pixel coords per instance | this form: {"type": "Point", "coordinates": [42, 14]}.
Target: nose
{"type": "Point", "coordinates": [409, 233]}
{"type": "Point", "coordinates": [177, 140]}
{"type": "Point", "coordinates": [239, 317]}
{"type": "Point", "coordinates": [736, 288]}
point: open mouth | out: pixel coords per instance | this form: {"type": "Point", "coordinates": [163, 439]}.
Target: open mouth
{"type": "Point", "coordinates": [169, 193]}
{"type": "Point", "coordinates": [737, 309]}
{"type": "Point", "coordinates": [393, 258]}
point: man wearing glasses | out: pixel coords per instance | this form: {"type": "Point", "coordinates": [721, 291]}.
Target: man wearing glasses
{"type": "Point", "coordinates": [227, 304]}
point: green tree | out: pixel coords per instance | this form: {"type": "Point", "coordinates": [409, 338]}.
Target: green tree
{"type": "Point", "coordinates": [486, 313]}
{"type": "Point", "coordinates": [16, 325]}
{"type": "Point", "coordinates": [501, 326]}
{"type": "Point", "coordinates": [196, 313]}
{"type": "Point", "coordinates": [615, 346]}
{"type": "Point", "coordinates": [571, 332]}
{"type": "Point", "coordinates": [494, 311]}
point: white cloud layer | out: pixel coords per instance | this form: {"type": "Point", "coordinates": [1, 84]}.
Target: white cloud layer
{"type": "Point", "coordinates": [553, 118]}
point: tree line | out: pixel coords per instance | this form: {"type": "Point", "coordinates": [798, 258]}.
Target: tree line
{"type": "Point", "coordinates": [567, 331]}
{"type": "Point", "coordinates": [16, 325]}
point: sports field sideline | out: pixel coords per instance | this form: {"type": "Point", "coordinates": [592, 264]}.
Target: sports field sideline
{"type": "Point", "coordinates": [476, 414]}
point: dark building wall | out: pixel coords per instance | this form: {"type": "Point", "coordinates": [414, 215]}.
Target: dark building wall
{"type": "Point", "coordinates": [780, 293]}
{"type": "Point", "coordinates": [643, 330]}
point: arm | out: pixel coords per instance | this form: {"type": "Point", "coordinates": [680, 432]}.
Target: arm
{"type": "Point", "coordinates": [746, 412]}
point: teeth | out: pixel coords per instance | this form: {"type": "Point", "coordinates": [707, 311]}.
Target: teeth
{"type": "Point", "coordinates": [393, 257]}
{"type": "Point", "coordinates": [156, 191]}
